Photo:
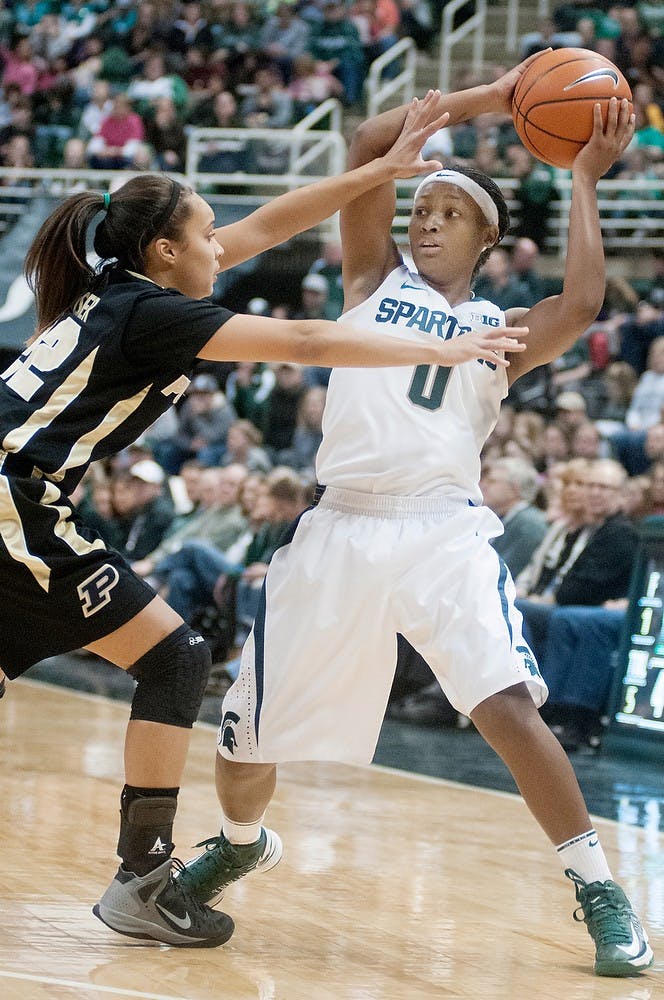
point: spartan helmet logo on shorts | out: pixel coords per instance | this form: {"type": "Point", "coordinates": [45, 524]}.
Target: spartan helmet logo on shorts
{"type": "Point", "coordinates": [95, 591]}
{"type": "Point", "coordinates": [228, 738]}
{"type": "Point", "coordinates": [529, 661]}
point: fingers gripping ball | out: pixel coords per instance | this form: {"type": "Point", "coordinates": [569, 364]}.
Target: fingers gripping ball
{"type": "Point", "coordinates": [552, 106]}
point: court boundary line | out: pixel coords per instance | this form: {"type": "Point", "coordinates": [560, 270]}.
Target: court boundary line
{"type": "Point", "coordinates": [87, 987]}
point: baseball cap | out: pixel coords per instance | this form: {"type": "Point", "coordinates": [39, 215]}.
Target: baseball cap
{"type": "Point", "coordinates": [204, 383]}
{"type": "Point", "coordinates": [315, 283]}
{"type": "Point", "coordinates": [148, 472]}
{"type": "Point", "coordinates": [570, 401]}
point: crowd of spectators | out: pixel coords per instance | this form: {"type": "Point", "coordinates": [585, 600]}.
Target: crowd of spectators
{"type": "Point", "coordinates": [117, 84]}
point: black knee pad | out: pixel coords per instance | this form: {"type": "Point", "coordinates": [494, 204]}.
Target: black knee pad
{"type": "Point", "coordinates": [171, 679]}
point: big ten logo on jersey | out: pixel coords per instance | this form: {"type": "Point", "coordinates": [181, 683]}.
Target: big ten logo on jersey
{"type": "Point", "coordinates": [95, 591]}
{"type": "Point", "coordinates": [485, 320]}
{"type": "Point", "coordinates": [427, 320]}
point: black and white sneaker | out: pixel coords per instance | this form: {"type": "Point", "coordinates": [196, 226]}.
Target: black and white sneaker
{"type": "Point", "coordinates": [157, 907]}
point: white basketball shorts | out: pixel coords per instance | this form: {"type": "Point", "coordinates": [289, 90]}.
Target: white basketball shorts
{"type": "Point", "coordinates": [317, 669]}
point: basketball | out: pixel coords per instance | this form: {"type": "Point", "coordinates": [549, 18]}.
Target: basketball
{"type": "Point", "coordinates": [552, 106]}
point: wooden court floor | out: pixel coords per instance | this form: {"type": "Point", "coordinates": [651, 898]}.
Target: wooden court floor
{"type": "Point", "coordinates": [392, 886]}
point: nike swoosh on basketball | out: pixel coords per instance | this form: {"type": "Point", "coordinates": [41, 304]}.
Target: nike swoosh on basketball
{"type": "Point", "coordinates": [634, 948]}
{"type": "Point", "coordinates": [596, 74]}
{"type": "Point", "coordinates": [183, 922]}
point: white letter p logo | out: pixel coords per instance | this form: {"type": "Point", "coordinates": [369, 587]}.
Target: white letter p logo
{"type": "Point", "coordinates": [95, 592]}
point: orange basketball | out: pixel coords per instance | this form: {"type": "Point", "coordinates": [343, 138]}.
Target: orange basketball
{"type": "Point", "coordinates": [553, 102]}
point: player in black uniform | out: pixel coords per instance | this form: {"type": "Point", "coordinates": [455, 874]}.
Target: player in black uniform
{"type": "Point", "coordinates": [113, 349]}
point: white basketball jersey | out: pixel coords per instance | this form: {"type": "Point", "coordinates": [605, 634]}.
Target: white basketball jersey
{"type": "Point", "coordinates": [419, 430]}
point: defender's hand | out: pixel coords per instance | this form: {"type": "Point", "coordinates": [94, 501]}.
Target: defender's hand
{"type": "Point", "coordinates": [423, 119]}
{"type": "Point", "coordinates": [485, 344]}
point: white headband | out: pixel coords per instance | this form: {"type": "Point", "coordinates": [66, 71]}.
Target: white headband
{"type": "Point", "coordinates": [471, 187]}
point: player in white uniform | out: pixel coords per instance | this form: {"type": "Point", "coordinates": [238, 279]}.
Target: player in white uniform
{"type": "Point", "coordinates": [399, 541]}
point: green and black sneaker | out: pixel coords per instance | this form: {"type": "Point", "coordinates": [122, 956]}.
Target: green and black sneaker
{"type": "Point", "coordinates": [222, 863]}
{"type": "Point", "coordinates": [621, 944]}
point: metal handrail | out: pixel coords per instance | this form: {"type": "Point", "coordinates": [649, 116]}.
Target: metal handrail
{"type": "Point", "coordinates": [512, 22]}
{"type": "Point", "coordinates": [632, 218]}
{"type": "Point", "coordinates": [476, 23]}
{"type": "Point", "coordinates": [326, 146]}
{"type": "Point", "coordinates": [379, 91]}
{"type": "Point", "coordinates": [331, 108]}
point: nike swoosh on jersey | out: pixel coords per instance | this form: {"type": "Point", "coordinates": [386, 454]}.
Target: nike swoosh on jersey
{"type": "Point", "coordinates": [416, 288]}
{"type": "Point", "coordinates": [183, 922]}
{"type": "Point", "coordinates": [634, 948]}
{"type": "Point", "coordinates": [596, 74]}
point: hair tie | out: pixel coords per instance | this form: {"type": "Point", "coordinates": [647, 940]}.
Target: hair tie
{"type": "Point", "coordinates": [107, 200]}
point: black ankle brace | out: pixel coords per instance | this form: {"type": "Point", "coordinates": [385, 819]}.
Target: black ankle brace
{"type": "Point", "coordinates": [146, 828]}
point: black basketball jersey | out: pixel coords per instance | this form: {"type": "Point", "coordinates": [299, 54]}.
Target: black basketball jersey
{"type": "Point", "coordinates": [93, 382]}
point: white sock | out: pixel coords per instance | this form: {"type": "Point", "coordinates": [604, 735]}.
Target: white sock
{"type": "Point", "coordinates": [242, 833]}
{"type": "Point", "coordinates": [585, 856]}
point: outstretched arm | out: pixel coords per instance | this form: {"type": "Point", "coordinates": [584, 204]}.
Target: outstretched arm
{"type": "Point", "coordinates": [556, 323]}
{"type": "Point", "coordinates": [296, 211]}
{"type": "Point", "coordinates": [323, 342]}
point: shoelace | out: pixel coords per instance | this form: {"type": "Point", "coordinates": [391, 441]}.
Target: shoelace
{"type": "Point", "coordinates": [604, 912]}
{"type": "Point", "coordinates": [190, 902]}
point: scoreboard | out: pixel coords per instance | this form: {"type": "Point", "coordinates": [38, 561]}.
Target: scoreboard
{"type": "Point", "coordinates": [638, 697]}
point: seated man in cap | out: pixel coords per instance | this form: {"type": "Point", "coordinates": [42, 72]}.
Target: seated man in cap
{"type": "Point", "coordinates": [203, 419]}
{"type": "Point", "coordinates": [146, 511]}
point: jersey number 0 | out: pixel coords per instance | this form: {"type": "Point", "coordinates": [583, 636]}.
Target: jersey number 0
{"type": "Point", "coordinates": [427, 386]}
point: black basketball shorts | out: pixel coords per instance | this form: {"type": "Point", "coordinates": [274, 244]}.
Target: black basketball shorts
{"type": "Point", "coordinates": [61, 588]}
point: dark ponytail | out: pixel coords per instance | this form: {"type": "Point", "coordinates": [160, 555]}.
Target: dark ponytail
{"type": "Point", "coordinates": [56, 265]}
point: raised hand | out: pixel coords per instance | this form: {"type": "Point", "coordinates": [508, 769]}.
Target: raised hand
{"type": "Point", "coordinates": [502, 90]}
{"type": "Point", "coordinates": [423, 119]}
{"type": "Point", "coordinates": [608, 141]}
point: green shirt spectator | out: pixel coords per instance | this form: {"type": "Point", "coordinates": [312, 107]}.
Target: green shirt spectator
{"type": "Point", "coordinates": [336, 41]}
